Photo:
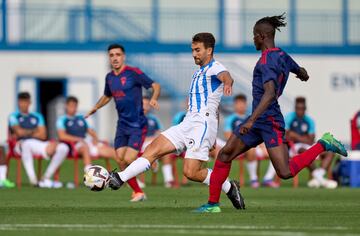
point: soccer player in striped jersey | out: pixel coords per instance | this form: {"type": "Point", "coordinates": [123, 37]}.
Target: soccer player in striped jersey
{"type": "Point", "coordinates": [266, 123]}
{"type": "Point", "coordinates": [197, 132]}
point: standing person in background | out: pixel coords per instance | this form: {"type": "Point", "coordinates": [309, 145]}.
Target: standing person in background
{"type": "Point", "coordinates": [124, 84]}
{"type": "Point", "coordinates": [231, 122]}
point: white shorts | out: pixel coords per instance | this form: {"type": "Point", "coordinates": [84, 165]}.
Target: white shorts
{"type": "Point", "coordinates": [220, 143]}
{"type": "Point", "coordinates": [196, 134]}
{"type": "Point", "coordinates": [38, 147]}
{"type": "Point", "coordinates": [294, 150]}
{"type": "Point", "coordinates": [93, 149]}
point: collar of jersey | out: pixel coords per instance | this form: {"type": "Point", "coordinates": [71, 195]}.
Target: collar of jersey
{"type": "Point", "coordinates": [209, 64]}
{"type": "Point", "coordinates": [270, 50]}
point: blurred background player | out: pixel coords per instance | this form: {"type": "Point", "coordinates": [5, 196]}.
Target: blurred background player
{"type": "Point", "coordinates": [197, 132]}
{"type": "Point", "coordinates": [153, 130]}
{"type": "Point", "coordinates": [300, 130]}
{"type": "Point", "coordinates": [355, 131]}
{"type": "Point", "coordinates": [30, 132]}
{"type": "Point", "coordinates": [124, 84]}
{"type": "Point", "coordinates": [4, 182]}
{"type": "Point", "coordinates": [236, 119]}
{"type": "Point", "coordinates": [73, 128]}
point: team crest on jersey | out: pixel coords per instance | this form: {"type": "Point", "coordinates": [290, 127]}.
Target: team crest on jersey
{"type": "Point", "coordinates": [304, 127]}
{"type": "Point", "coordinates": [70, 123]}
{"type": "Point", "coordinates": [81, 123]}
{"type": "Point", "coordinates": [21, 119]}
{"type": "Point", "coordinates": [33, 121]}
{"type": "Point", "coordinates": [123, 80]}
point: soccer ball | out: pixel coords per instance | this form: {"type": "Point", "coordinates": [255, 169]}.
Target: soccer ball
{"type": "Point", "coordinates": [96, 178]}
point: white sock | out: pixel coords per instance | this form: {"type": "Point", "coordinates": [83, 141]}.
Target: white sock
{"type": "Point", "coordinates": [28, 162]}
{"type": "Point", "coordinates": [226, 185]}
{"type": "Point", "coordinates": [137, 167]}
{"type": "Point", "coordinates": [167, 173]}
{"type": "Point", "coordinates": [270, 173]}
{"type": "Point", "coordinates": [252, 169]}
{"type": "Point", "coordinates": [58, 158]}
{"type": "Point", "coordinates": [3, 171]}
{"type": "Point", "coordinates": [318, 174]}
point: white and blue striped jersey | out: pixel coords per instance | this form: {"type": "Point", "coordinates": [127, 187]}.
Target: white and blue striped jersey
{"type": "Point", "coordinates": [206, 89]}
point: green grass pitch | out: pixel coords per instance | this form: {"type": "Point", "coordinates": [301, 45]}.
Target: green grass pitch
{"type": "Point", "coordinates": [284, 211]}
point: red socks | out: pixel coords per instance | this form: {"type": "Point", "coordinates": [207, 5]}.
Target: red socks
{"type": "Point", "coordinates": [134, 185]}
{"type": "Point", "coordinates": [218, 176]}
{"type": "Point", "coordinates": [299, 162]}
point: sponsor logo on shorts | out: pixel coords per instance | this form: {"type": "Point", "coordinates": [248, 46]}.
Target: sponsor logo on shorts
{"type": "Point", "coordinates": [191, 143]}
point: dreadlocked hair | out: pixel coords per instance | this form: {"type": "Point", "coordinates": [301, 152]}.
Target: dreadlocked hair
{"type": "Point", "coordinates": [274, 21]}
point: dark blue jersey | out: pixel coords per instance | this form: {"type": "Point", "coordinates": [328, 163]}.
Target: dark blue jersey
{"type": "Point", "coordinates": [126, 89]}
{"type": "Point", "coordinates": [73, 125]}
{"type": "Point", "coordinates": [153, 125]}
{"type": "Point", "coordinates": [300, 125]}
{"type": "Point", "coordinates": [30, 121]}
{"type": "Point", "coordinates": [232, 121]}
{"type": "Point", "coordinates": [275, 65]}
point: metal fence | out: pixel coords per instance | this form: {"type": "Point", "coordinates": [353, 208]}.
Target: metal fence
{"type": "Point", "coordinates": [62, 26]}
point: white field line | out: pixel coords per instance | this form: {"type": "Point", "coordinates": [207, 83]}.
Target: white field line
{"type": "Point", "coordinates": [155, 226]}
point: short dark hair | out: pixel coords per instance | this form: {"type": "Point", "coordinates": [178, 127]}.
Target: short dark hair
{"type": "Point", "coordinates": [115, 45]}
{"type": "Point", "coordinates": [24, 96]}
{"type": "Point", "coordinates": [206, 38]}
{"type": "Point", "coordinates": [241, 97]}
{"type": "Point", "coordinates": [300, 100]}
{"type": "Point", "coordinates": [72, 99]}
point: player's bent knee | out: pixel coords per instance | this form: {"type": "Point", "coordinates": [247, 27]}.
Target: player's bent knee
{"type": "Point", "coordinates": [224, 156]}
{"type": "Point", "coordinates": [190, 174]}
{"type": "Point", "coordinates": [284, 174]}
{"type": "Point", "coordinates": [63, 148]}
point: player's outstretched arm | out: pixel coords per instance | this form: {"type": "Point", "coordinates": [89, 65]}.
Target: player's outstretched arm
{"type": "Point", "coordinates": [225, 77]}
{"type": "Point", "coordinates": [155, 96]}
{"type": "Point", "coordinates": [302, 74]}
{"type": "Point", "coordinates": [102, 102]}
{"type": "Point", "coordinates": [268, 97]}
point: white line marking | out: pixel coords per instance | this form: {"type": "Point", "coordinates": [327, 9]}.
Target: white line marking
{"type": "Point", "coordinates": [146, 226]}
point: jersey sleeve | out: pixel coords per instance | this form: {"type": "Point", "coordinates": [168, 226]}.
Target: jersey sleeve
{"type": "Point", "coordinates": [13, 121]}
{"type": "Point", "coordinates": [217, 68]}
{"type": "Point", "coordinates": [288, 119]}
{"type": "Point", "coordinates": [311, 125]}
{"type": "Point", "coordinates": [228, 123]}
{"type": "Point", "coordinates": [143, 79]}
{"type": "Point", "coordinates": [40, 119]}
{"type": "Point", "coordinates": [293, 66]}
{"type": "Point", "coordinates": [107, 91]}
{"type": "Point", "coordinates": [358, 121]}
{"type": "Point", "coordinates": [60, 123]}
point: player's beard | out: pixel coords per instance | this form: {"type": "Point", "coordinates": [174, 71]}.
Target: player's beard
{"type": "Point", "coordinates": [198, 61]}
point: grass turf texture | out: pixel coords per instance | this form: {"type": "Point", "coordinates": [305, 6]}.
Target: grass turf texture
{"type": "Point", "coordinates": [284, 211]}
